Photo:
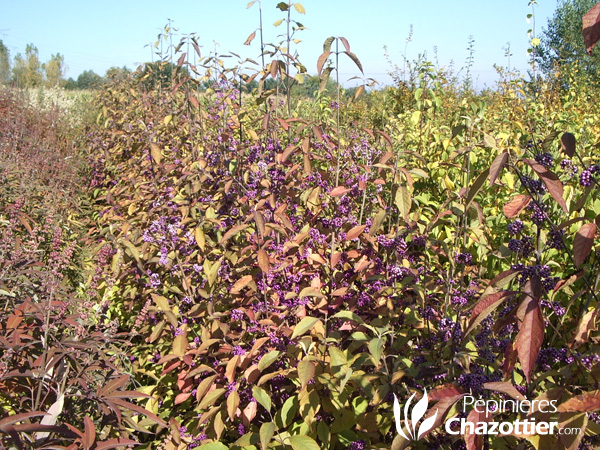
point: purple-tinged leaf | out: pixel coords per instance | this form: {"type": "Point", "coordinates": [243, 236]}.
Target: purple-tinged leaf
{"type": "Point", "coordinates": [568, 143]}
{"type": "Point", "coordinates": [583, 243]}
{"type": "Point", "coordinates": [497, 166]}
{"type": "Point", "coordinates": [551, 181]}
{"type": "Point", "coordinates": [513, 208]}
{"type": "Point", "coordinates": [591, 27]}
{"type": "Point", "coordinates": [531, 328]}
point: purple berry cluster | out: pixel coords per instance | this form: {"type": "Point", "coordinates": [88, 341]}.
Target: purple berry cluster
{"type": "Point", "coordinates": [545, 159]}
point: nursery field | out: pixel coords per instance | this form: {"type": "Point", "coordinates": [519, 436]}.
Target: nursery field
{"type": "Point", "coordinates": [217, 260]}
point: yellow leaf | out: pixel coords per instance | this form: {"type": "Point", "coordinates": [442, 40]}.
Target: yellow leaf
{"type": "Point", "coordinates": [200, 238]}
{"type": "Point", "coordinates": [299, 8]}
{"type": "Point", "coordinates": [156, 153]}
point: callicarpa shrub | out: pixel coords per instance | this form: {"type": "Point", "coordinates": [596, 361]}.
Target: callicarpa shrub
{"type": "Point", "coordinates": [284, 277]}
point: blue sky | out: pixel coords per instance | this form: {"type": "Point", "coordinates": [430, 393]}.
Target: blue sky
{"type": "Point", "coordinates": [100, 34]}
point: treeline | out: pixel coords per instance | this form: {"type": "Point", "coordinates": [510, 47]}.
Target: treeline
{"type": "Point", "coordinates": [27, 71]}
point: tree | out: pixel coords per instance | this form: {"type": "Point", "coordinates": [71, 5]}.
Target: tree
{"type": "Point", "coordinates": [27, 71]}
{"type": "Point", "coordinates": [4, 64]}
{"type": "Point", "coordinates": [55, 70]}
{"type": "Point", "coordinates": [117, 73]}
{"type": "Point", "coordinates": [562, 46]}
{"type": "Point", "coordinates": [88, 79]}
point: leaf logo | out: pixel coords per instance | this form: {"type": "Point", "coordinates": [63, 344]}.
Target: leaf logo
{"type": "Point", "coordinates": [416, 414]}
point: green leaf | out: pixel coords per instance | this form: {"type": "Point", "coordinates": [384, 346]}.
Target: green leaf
{"type": "Point", "coordinates": [304, 325]}
{"type": "Point", "coordinates": [180, 344]}
{"type": "Point", "coordinates": [302, 442]}
{"type": "Point", "coordinates": [348, 315]}
{"type": "Point", "coordinates": [324, 78]}
{"type": "Point", "coordinates": [213, 446]}
{"type": "Point", "coordinates": [268, 359]}
{"type": "Point", "coordinates": [267, 430]}
{"type": "Point", "coordinates": [210, 398]}
{"type": "Point", "coordinates": [338, 361]}
{"type": "Point", "coordinates": [377, 222]}
{"type": "Point", "coordinates": [403, 201]}
{"type": "Point", "coordinates": [262, 397]}
{"type": "Point", "coordinates": [161, 302]}
{"type": "Point", "coordinates": [327, 44]}
{"type": "Point", "coordinates": [306, 371]}
{"type": "Point", "coordinates": [282, 6]}
{"type": "Point", "coordinates": [288, 411]}
{"type": "Point", "coordinates": [476, 187]}
{"type": "Point", "coordinates": [376, 347]}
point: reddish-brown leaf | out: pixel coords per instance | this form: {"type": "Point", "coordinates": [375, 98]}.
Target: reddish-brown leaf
{"type": "Point", "coordinates": [583, 243]}
{"type": "Point", "coordinates": [250, 38]}
{"type": "Point", "coordinates": [516, 205]}
{"type": "Point", "coordinates": [89, 434]}
{"type": "Point", "coordinates": [318, 134]}
{"type": "Point", "coordinates": [345, 42]}
{"type": "Point", "coordinates": [283, 123]}
{"type": "Point", "coordinates": [231, 232]}
{"type": "Point", "coordinates": [485, 306]}
{"type": "Point", "coordinates": [442, 407]}
{"type": "Point", "coordinates": [133, 407]}
{"type": "Point", "coordinates": [321, 61]}
{"type": "Point", "coordinates": [113, 385]}
{"type": "Point", "coordinates": [506, 388]}
{"type": "Point", "coordinates": [20, 417]}
{"type": "Point", "coordinates": [182, 397]}
{"type": "Point", "coordinates": [444, 391]}
{"type": "Point", "coordinates": [241, 284]}
{"type": "Point", "coordinates": [339, 191]}
{"type": "Point", "coordinates": [263, 261]}
{"type": "Point", "coordinates": [551, 181]}
{"type": "Point", "coordinates": [586, 325]}
{"type": "Point", "coordinates": [531, 329]}
{"type": "Point", "coordinates": [260, 223]}
{"type": "Point", "coordinates": [273, 68]}
{"type": "Point", "coordinates": [287, 152]}
{"type": "Point", "coordinates": [497, 166]}
{"type": "Point", "coordinates": [510, 360]}
{"type": "Point", "coordinates": [568, 142]}
{"type": "Point", "coordinates": [591, 27]}
{"type": "Point", "coordinates": [587, 402]}
{"type": "Point", "coordinates": [354, 232]}
{"type": "Point", "coordinates": [475, 441]}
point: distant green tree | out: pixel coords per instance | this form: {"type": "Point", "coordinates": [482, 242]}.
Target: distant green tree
{"type": "Point", "coordinates": [117, 73]}
{"type": "Point", "coordinates": [70, 84]}
{"type": "Point", "coordinates": [55, 71]}
{"type": "Point", "coordinates": [4, 64]}
{"type": "Point", "coordinates": [562, 45]}
{"type": "Point", "coordinates": [88, 79]}
{"type": "Point", "coordinates": [27, 70]}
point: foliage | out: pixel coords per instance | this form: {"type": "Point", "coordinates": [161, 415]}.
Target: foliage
{"type": "Point", "coordinates": [88, 79]}
{"type": "Point", "coordinates": [287, 274]}
{"type": "Point", "coordinates": [26, 71]}
{"type": "Point", "coordinates": [562, 45]}
{"type": "Point", "coordinates": [278, 269]}
{"type": "Point", "coordinates": [54, 70]}
{"type": "Point", "coordinates": [4, 64]}
{"type": "Point", "coordinates": [62, 379]}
